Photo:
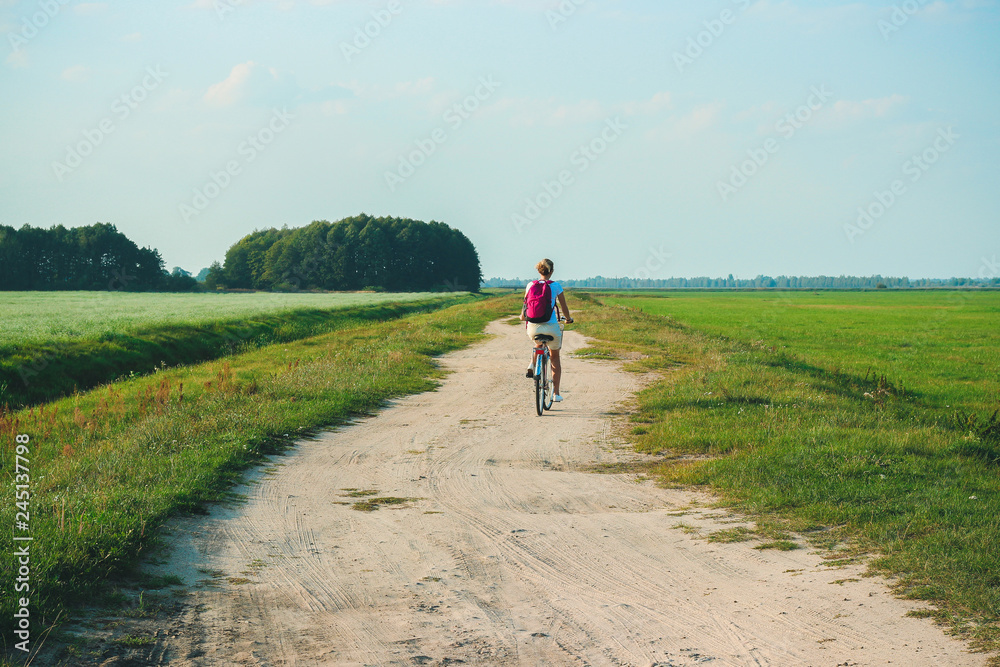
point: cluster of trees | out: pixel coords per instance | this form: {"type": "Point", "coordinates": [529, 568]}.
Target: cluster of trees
{"type": "Point", "coordinates": [362, 252]}
{"type": "Point", "coordinates": [760, 282]}
{"type": "Point", "coordinates": [98, 257]}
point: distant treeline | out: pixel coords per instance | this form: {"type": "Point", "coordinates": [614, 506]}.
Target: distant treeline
{"type": "Point", "coordinates": [98, 257]}
{"type": "Point", "coordinates": [362, 252]}
{"type": "Point", "coordinates": [760, 282]}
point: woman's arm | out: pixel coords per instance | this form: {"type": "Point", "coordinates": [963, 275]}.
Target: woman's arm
{"type": "Point", "coordinates": [564, 307]}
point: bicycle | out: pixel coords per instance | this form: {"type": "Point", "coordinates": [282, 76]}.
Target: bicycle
{"type": "Point", "coordinates": [544, 389]}
{"type": "Point", "coordinates": [544, 385]}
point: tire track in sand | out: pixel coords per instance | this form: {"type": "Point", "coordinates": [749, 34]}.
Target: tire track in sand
{"type": "Point", "coordinates": [510, 555]}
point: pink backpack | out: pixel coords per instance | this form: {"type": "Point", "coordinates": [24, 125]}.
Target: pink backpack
{"type": "Point", "coordinates": [538, 302]}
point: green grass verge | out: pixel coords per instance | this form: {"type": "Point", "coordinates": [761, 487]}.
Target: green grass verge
{"type": "Point", "coordinates": [803, 442]}
{"type": "Point", "coordinates": [109, 466]}
{"type": "Point", "coordinates": [33, 372]}
{"type": "Point", "coordinates": [45, 317]}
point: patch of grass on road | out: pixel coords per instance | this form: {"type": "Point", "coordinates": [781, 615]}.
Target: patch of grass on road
{"type": "Point", "coordinates": [784, 424]}
{"type": "Point", "coordinates": [373, 504]}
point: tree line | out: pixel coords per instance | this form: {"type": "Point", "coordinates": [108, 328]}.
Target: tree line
{"type": "Point", "coordinates": [759, 282]}
{"type": "Point", "coordinates": [356, 253]}
{"type": "Point", "coordinates": [97, 257]}
{"type": "Point", "coordinates": [362, 252]}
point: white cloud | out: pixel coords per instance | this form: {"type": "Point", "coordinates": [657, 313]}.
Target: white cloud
{"type": "Point", "coordinates": [831, 115]}
{"type": "Point", "coordinates": [404, 89]}
{"type": "Point", "coordinates": [253, 84]}
{"type": "Point", "coordinates": [132, 37]}
{"type": "Point", "coordinates": [938, 8]}
{"type": "Point", "coordinates": [283, 5]}
{"type": "Point", "coordinates": [419, 95]}
{"type": "Point", "coordinates": [812, 19]}
{"type": "Point", "coordinates": [527, 112]}
{"type": "Point", "coordinates": [76, 74]}
{"type": "Point", "coordinates": [247, 82]}
{"type": "Point", "coordinates": [660, 102]}
{"type": "Point", "coordinates": [766, 110]}
{"type": "Point", "coordinates": [880, 107]}
{"type": "Point", "coordinates": [550, 112]}
{"type": "Point", "coordinates": [232, 89]}
{"type": "Point", "coordinates": [418, 87]}
{"type": "Point", "coordinates": [701, 118]}
{"type": "Point", "coordinates": [761, 116]}
{"type": "Point", "coordinates": [334, 108]}
{"type": "Point", "coordinates": [584, 111]}
{"type": "Point", "coordinates": [89, 8]}
{"type": "Point", "coordinates": [17, 59]}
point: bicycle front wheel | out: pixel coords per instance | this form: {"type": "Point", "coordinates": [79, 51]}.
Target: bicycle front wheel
{"type": "Point", "coordinates": [550, 390]}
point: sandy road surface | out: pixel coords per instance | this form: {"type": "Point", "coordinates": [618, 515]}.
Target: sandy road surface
{"type": "Point", "coordinates": [510, 554]}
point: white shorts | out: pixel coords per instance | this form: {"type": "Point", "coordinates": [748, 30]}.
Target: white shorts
{"type": "Point", "coordinates": [551, 328]}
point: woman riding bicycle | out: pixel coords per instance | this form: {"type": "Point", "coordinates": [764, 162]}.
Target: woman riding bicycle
{"type": "Point", "coordinates": [551, 326]}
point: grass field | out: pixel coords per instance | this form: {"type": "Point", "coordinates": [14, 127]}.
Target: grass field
{"type": "Point", "coordinates": [865, 422]}
{"type": "Point", "coordinates": [857, 422]}
{"type": "Point", "coordinates": [54, 343]}
{"type": "Point", "coordinates": [51, 317]}
{"type": "Point", "coordinates": [943, 347]}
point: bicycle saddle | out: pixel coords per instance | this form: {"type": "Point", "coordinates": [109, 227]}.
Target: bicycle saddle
{"type": "Point", "coordinates": [547, 338]}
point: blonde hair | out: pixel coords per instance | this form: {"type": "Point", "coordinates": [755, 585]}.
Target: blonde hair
{"type": "Point", "coordinates": [545, 267]}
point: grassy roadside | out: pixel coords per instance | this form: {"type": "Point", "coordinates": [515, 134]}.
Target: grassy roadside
{"type": "Point", "coordinates": [110, 465]}
{"type": "Point", "coordinates": [852, 463]}
{"type": "Point", "coordinates": [939, 344]}
{"type": "Point", "coordinates": [33, 372]}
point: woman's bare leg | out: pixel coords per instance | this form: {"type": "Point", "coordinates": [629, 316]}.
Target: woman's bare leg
{"type": "Point", "coordinates": [531, 364]}
{"type": "Point", "coordinates": [556, 370]}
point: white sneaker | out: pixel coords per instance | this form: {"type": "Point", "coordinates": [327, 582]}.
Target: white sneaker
{"type": "Point", "coordinates": [557, 398]}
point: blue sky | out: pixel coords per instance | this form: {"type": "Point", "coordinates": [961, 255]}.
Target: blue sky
{"type": "Point", "coordinates": [621, 138]}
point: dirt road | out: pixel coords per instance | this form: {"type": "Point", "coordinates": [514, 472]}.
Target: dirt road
{"type": "Point", "coordinates": [508, 552]}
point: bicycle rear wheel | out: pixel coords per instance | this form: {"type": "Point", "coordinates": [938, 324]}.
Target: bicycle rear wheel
{"type": "Point", "coordinates": [541, 373]}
